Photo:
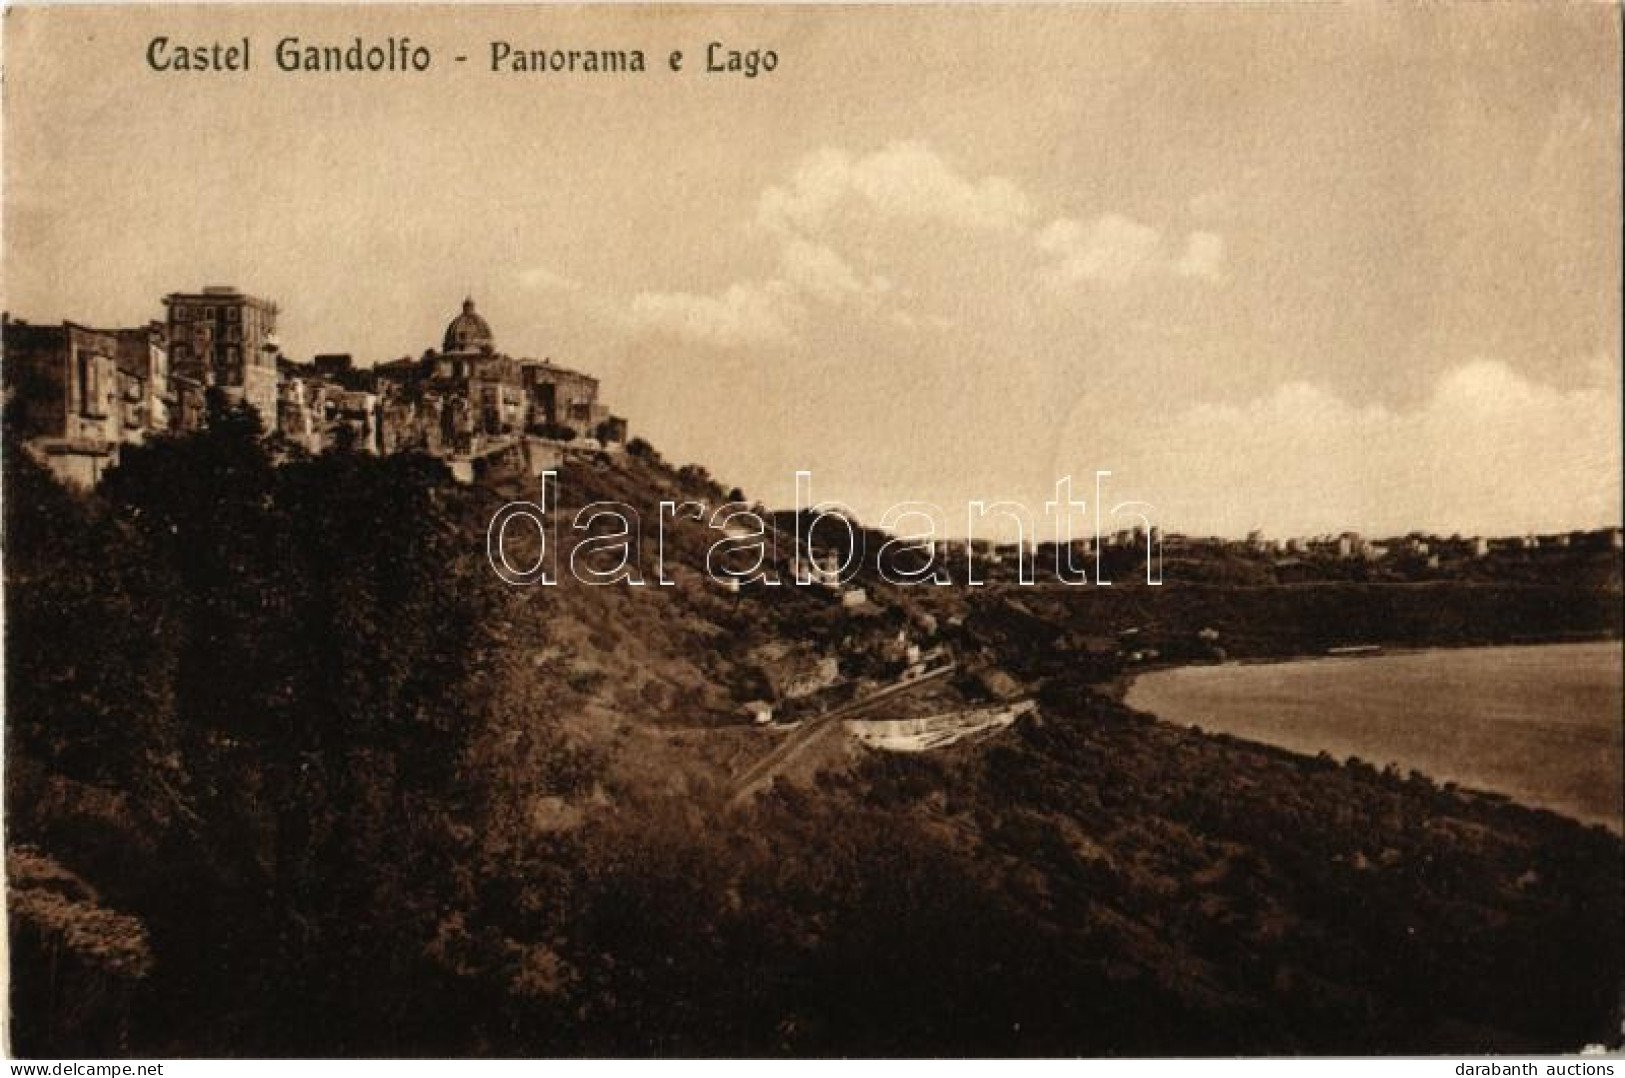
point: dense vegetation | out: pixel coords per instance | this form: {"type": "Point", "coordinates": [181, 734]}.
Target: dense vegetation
{"type": "Point", "coordinates": [290, 773]}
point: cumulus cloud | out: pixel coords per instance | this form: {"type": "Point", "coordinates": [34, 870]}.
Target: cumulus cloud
{"type": "Point", "coordinates": [755, 313]}
{"type": "Point", "coordinates": [818, 269]}
{"type": "Point", "coordinates": [743, 315]}
{"type": "Point", "coordinates": [1489, 451]}
{"type": "Point", "coordinates": [832, 192]}
{"type": "Point", "coordinates": [1114, 249]}
{"type": "Point", "coordinates": [905, 180]}
{"type": "Point", "coordinates": [864, 231]}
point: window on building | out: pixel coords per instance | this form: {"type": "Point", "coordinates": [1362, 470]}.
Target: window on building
{"type": "Point", "coordinates": [92, 389]}
{"type": "Point", "coordinates": [182, 314]}
{"type": "Point", "coordinates": [233, 354]}
{"type": "Point", "coordinates": [208, 313]}
{"type": "Point", "coordinates": [232, 314]}
{"type": "Point", "coordinates": [182, 350]}
{"type": "Point", "coordinates": [234, 333]}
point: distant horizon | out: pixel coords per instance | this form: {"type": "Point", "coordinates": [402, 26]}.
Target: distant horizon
{"type": "Point", "coordinates": [1303, 270]}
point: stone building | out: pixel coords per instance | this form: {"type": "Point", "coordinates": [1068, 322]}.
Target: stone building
{"type": "Point", "coordinates": [327, 403]}
{"type": "Point", "coordinates": [337, 366]}
{"type": "Point", "coordinates": [77, 394]}
{"type": "Point", "coordinates": [226, 339]}
{"type": "Point", "coordinates": [63, 397]}
{"type": "Point", "coordinates": [468, 399]}
{"type": "Point", "coordinates": [188, 407]}
{"type": "Point", "coordinates": [146, 392]}
{"type": "Point", "coordinates": [562, 398]}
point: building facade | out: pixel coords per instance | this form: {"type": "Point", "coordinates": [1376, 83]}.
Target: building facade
{"type": "Point", "coordinates": [63, 397]}
{"type": "Point", "coordinates": [148, 395]}
{"type": "Point", "coordinates": [467, 399]}
{"type": "Point", "coordinates": [226, 339]}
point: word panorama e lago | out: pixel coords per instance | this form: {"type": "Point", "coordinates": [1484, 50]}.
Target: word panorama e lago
{"type": "Point", "coordinates": [402, 54]}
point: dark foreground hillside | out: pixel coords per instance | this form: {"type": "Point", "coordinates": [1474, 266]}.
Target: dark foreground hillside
{"type": "Point", "coordinates": [290, 773]}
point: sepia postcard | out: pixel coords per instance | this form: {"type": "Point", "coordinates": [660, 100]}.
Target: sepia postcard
{"type": "Point", "coordinates": [735, 532]}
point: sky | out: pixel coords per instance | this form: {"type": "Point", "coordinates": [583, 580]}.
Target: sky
{"type": "Point", "coordinates": [1299, 268]}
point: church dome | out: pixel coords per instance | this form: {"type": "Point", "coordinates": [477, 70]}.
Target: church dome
{"type": "Point", "coordinates": [468, 332]}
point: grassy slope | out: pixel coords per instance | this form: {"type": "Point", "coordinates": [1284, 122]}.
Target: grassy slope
{"type": "Point", "coordinates": [1190, 892]}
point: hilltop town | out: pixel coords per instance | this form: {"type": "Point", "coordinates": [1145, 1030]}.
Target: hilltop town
{"type": "Point", "coordinates": [81, 394]}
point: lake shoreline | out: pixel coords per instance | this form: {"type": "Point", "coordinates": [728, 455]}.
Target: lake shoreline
{"type": "Point", "coordinates": [1118, 688]}
{"type": "Point", "coordinates": [1386, 734]}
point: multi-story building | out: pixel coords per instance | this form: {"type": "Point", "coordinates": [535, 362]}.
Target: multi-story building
{"type": "Point", "coordinates": [563, 398]}
{"type": "Point", "coordinates": [226, 339]}
{"type": "Point", "coordinates": [316, 414]}
{"type": "Point", "coordinates": [144, 383]}
{"type": "Point", "coordinates": [63, 397]}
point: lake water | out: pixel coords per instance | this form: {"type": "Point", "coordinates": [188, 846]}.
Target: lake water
{"type": "Point", "coordinates": [1542, 724]}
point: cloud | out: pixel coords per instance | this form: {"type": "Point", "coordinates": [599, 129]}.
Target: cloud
{"type": "Point", "coordinates": [903, 181]}
{"type": "Point", "coordinates": [744, 315]}
{"type": "Point", "coordinates": [1488, 451]}
{"type": "Point", "coordinates": [817, 268]}
{"type": "Point", "coordinates": [832, 191]}
{"type": "Point", "coordinates": [1114, 250]}
{"type": "Point", "coordinates": [756, 313]}
{"type": "Point", "coordinates": [864, 232]}
{"type": "Point", "coordinates": [1203, 257]}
